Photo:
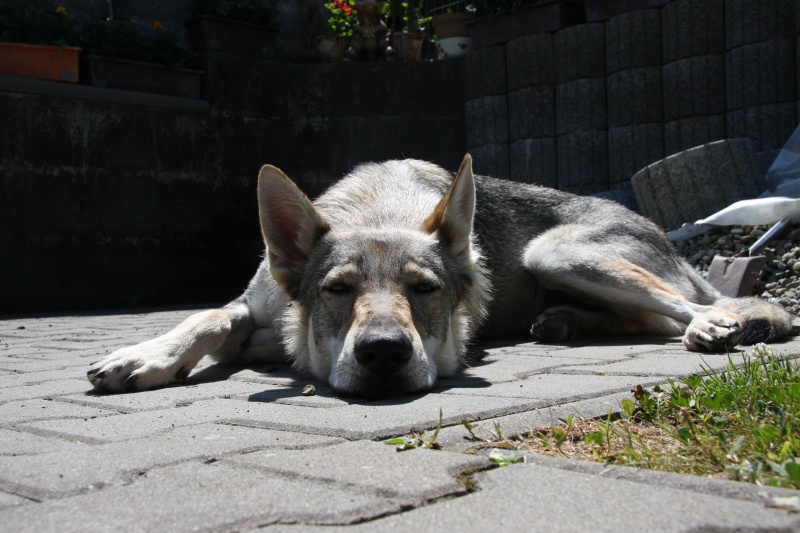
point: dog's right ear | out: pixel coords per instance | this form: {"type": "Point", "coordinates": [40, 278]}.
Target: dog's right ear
{"type": "Point", "coordinates": [290, 223]}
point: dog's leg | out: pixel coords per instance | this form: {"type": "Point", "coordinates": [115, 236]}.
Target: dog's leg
{"type": "Point", "coordinates": [642, 301]}
{"type": "Point", "coordinates": [157, 362]}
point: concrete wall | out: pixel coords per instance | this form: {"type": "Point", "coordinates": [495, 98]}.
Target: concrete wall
{"type": "Point", "coordinates": [586, 107]}
{"type": "Point", "coordinates": [114, 199]}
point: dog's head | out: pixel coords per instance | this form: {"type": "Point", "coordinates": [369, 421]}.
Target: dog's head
{"type": "Point", "coordinates": [375, 309]}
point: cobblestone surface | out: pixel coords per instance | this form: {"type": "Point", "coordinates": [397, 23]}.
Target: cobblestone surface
{"type": "Point", "coordinates": [240, 448]}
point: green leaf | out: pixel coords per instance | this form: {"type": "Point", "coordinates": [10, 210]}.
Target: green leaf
{"type": "Point", "coordinates": [594, 438]}
{"type": "Point", "coordinates": [559, 435]}
{"type": "Point", "coordinates": [769, 433]}
{"type": "Point", "coordinates": [792, 470]}
{"type": "Point", "coordinates": [737, 445]}
{"type": "Point", "coordinates": [628, 407]}
{"type": "Point", "coordinates": [684, 434]}
{"type": "Point", "coordinates": [506, 457]}
{"type": "Point", "coordinates": [693, 381]}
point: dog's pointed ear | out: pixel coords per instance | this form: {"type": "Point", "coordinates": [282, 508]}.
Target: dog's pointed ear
{"type": "Point", "coordinates": [290, 223]}
{"type": "Point", "coordinates": [452, 218]}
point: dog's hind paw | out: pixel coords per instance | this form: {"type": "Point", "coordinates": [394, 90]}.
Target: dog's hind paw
{"type": "Point", "coordinates": [554, 324]}
{"type": "Point", "coordinates": [714, 331]}
{"type": "Point", "coordinates": [134, 369]}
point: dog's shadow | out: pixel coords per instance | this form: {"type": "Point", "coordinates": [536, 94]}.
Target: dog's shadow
{"type": "Point", "coordinates": [282, 384]}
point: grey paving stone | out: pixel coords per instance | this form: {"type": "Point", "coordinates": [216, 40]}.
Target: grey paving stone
{"type": "Point", "coordinates": [536, 498]}
{"type": "Point", "coordinates": [47, 389]}
{"type": "Point", "coordinates": [374, 466]}
{"type": "Point", "coordinates": [659, 364]}
{"type": "Point", "coordinates": [178, 395]}
{"type": "Point", "coordinates": [11, 500]}
{"type": "Point", "coordinates": [196, 496]}
{"type": "Point", "coordinates": [355, 420]}
{"type": "Point", "coordinates": [563, 388]}
{"type": "Point", "coordinates": [457, 437]}
{"type": "Point", "coordinates": [505, 367]}
{"type": "Point", "coordinates": [19, 364]}
{"type": "Point", "coordinates": [42, 409]}
{"type": "Point", "coordinates": [92, 467]}
{"type": "Point", "coordinates": [15, 443]}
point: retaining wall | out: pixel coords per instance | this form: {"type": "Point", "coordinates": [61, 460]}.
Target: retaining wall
{"type": "Point", "coordinates": [588, 106]}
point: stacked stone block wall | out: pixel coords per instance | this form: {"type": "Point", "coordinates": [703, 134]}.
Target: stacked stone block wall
{"type": "Point", "coordinates": [641, 86]}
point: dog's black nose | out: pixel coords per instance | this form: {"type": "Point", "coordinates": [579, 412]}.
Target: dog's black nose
{"type": "Point", "coordinates": [383, 356]}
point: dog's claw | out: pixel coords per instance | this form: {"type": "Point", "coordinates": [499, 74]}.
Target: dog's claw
{"type": "Point", "coordinates": [713, 332]}
{"type": "Point", "coordinates": [554, 325]}
{"type": "Point", "coordinates": [130, 382]}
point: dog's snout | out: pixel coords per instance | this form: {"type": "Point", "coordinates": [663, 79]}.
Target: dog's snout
{"type": "Point", "coordinates": [382, 355]}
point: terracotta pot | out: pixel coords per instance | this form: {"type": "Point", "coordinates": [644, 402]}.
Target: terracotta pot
{"type": "Point", "coordinates": [332, 47]}
{"type": "Point", "coordinates": [215, 34]}
{"type": "Point", "coordinates": [448, 25]}
{"type": "Point", "coordinates": [42, 62]}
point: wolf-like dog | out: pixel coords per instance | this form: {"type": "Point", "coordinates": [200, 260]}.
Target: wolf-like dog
{"type": "Point", "coordinates": [378, 285]}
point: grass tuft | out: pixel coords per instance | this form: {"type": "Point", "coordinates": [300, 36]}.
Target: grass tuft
{"type": "Point", "coordinates": [741, 424]}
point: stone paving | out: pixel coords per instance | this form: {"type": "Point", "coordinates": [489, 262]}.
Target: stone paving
{"type": "Point", "coordinates": [240, 449]}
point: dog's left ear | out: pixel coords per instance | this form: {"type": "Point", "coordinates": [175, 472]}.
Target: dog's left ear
{"type": "Point", "coordinates": [452, 218]}
{"type": "Point", "coordinates": [290, 223]}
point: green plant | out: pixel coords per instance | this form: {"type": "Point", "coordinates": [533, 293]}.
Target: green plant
{"type": "Point", "coordinates": [406, 16]}
{"type": "Point", "coordinates": [742, 424]}
{"type": "Point", "coordinates": [343, 17]}
{"type": "Point", "coordinates": [417, 439]}
{"type": "Point", "coordinates": [134, 41]}
{"type": "Point", "coordinates": [254, 11]}
{"type": "Point", "coordinates": [23, 21]}
{"type": "Point", "coordinates": [488, 8]}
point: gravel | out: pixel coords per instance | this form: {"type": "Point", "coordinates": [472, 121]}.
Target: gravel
{"type": "Point", "coordinates": [780, 279]}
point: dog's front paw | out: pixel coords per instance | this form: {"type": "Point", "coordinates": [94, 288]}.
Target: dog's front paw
{"type": "Point", "coordinates": [714, 331]}
{"type": "Point", "coordinates": [554, 324]}
{"type": "Point", "coordinates": [135, 368]}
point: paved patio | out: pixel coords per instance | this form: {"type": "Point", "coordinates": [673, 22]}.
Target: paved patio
{"type": "Point", "coordinates": [238, 449]}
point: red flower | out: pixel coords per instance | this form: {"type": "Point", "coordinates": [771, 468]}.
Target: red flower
{"type": "Point", "coordinates": [344, 5]}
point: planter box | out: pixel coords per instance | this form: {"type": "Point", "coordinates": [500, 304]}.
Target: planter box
{"type": "Point", "coordinates": [545, 17]}
{"type": "Point", "coordinates": [114, 73]}
{"type": "Point", "coordinates": [42, 62]}
{"type": "Point", "coordinates": [214, 34]}
{"type": "Point", "coordinates": [599, 10]}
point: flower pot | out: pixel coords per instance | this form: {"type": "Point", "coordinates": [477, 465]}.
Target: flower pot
{"type": "Point", "coordinates": [451, 47]}
{"type": "Point", "coordinates": [332, 47]}
{"type": "Point", "coordinates": [408, 45]}
{"type": "Point", "coordinates": [448, 25]}
{"type": "Point", "coordinates": [215, 34]}
{"type": "Point", "coordinates": [545, 17]}
{"type": "Point", "coordinates": [42, 62]}
{"type": "Point", "coordinates": [114, 73]}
